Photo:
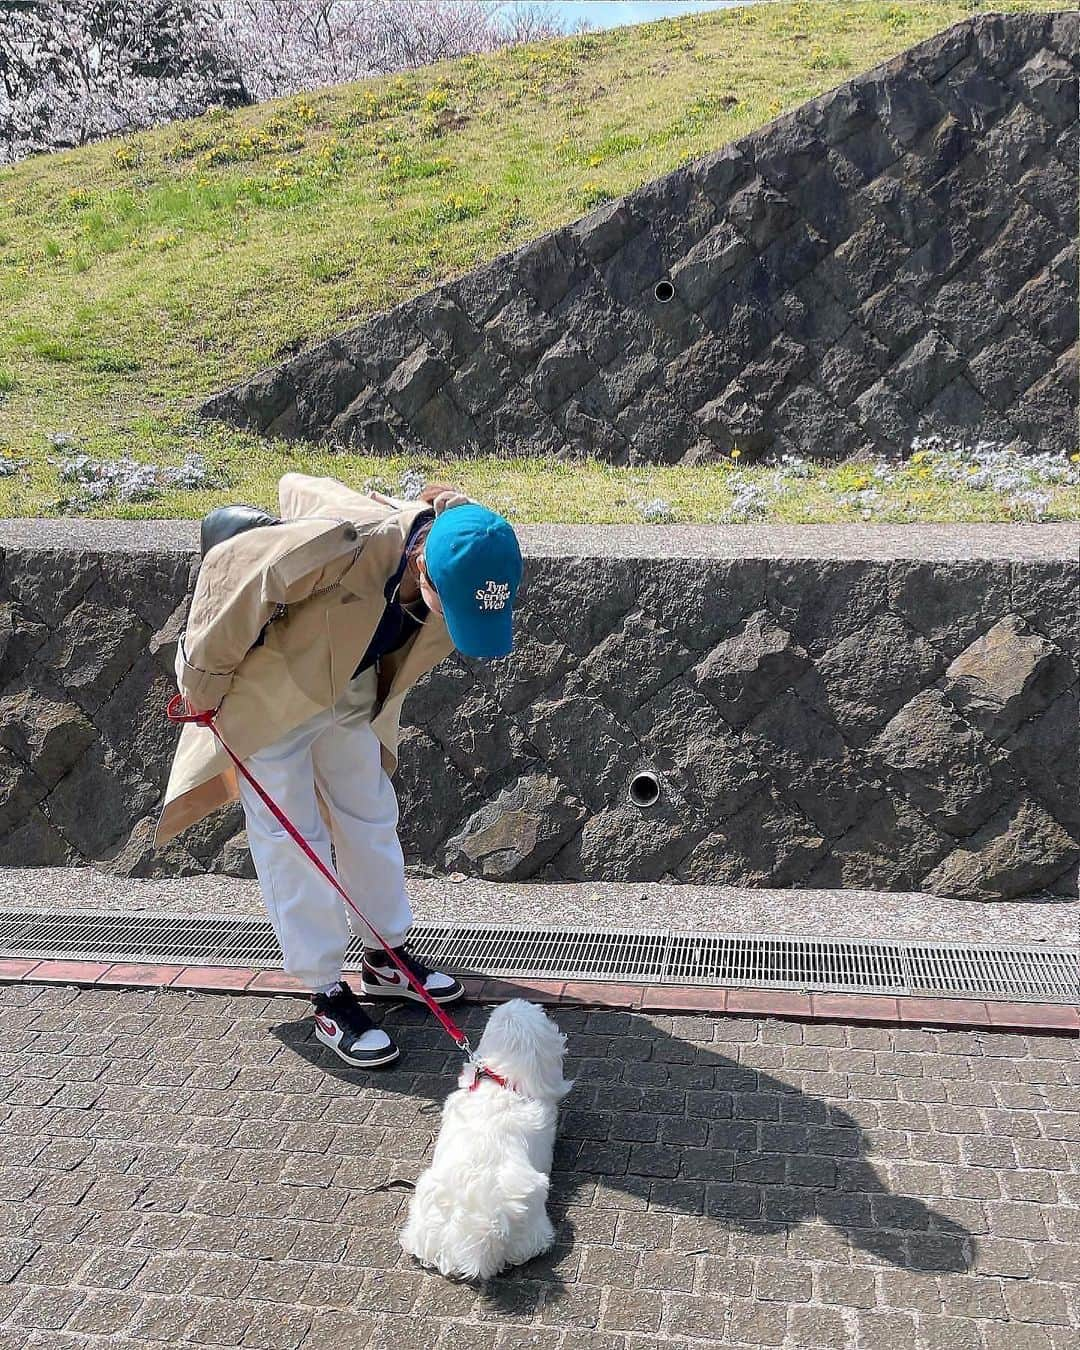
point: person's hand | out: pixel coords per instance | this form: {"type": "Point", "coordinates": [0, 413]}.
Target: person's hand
{"type": "Point", "coordinates": [448, 498]}
{"type": "Point", "coordinates": [384, 500]}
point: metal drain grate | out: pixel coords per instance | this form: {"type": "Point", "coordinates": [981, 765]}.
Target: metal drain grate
{"type": "Point", "coordinates": [1048, 974]}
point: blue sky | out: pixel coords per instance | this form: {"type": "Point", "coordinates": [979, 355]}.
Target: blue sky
{"type": "Point", "coordinates": [616, 13]}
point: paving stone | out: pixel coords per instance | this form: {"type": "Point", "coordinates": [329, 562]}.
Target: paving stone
{"type": "Point", "coordinates": [1014, 1337]}
{"type": "Point", "coordinates": [573, 1307]}
{"type": "Point", "coordinates": [104, 1314]}
{"type": "Point", "coordinates": [756, 1324]}
{"type": "Point", "coordinates": [783, 1282]}
{"type": "Point", "coordinates": [817, 1327]}
{"type": "Point", "coordinates": [949, 1333]}
{"type": "Point", "coordinates": [884, 1331]}
{"type": "Point", "coordinates": [633, 1310]}
{"type": "Point", "coordinates": [610, 1267]}
{"type": "Point", "coordinates": [698, 1317]}
{"type": "Point", "coordinates": [1035, 1302]}
{"type": "Point", "coordinates": [850, 1288]}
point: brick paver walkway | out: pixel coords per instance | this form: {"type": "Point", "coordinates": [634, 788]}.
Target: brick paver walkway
{"type": "Point", "coordinates": [193, 1169]}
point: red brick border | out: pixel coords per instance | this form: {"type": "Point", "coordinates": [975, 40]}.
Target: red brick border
{"type": "Point", "coordinates": [887, 1009]}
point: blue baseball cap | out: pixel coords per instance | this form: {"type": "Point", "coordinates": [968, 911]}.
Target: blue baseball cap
{"type": "Point", "coordinates": [473, 559]}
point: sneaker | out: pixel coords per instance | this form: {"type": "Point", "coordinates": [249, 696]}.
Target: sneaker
{"type": "Point", "coordinates": [380, 978]}
{"type": "Point", "coordinates": [345, 1027]}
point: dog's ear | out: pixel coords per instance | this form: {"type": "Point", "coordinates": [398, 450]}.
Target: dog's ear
{"type": "Point", "coordinates": [527, 1046]}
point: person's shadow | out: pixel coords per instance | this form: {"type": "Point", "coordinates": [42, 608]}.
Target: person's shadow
{"type": "Point", "coordinates": [666, 1142]}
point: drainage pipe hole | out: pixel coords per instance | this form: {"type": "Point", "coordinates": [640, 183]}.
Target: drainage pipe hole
{"type": "Point", "coordinates": [644, 789]}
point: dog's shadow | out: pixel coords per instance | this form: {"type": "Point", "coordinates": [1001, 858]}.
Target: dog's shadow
{"type": "Point", "coordinates": [667, 1143]}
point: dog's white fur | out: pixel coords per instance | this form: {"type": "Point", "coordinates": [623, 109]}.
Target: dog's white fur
{"type": "Point", "coordinates": [482, 1204]}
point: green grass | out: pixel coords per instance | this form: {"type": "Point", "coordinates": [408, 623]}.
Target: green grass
{"type": "Point", "coordinates": [139, 275]}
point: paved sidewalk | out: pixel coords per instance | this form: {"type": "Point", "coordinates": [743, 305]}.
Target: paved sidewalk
{"type": "Point", "coordinates": [193, 1169]}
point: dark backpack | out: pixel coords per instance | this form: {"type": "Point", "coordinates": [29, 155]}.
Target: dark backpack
{"type": "Point", "coordinates": [226, 521]}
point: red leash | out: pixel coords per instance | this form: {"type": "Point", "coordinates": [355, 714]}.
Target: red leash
{"type": "Point", "coordinates": [206, 719]}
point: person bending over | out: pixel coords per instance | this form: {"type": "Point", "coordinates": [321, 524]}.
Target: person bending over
{"type": "Point", "coordinates": [305, 634]}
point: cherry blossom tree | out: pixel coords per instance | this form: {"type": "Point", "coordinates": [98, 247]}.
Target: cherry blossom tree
{"type": "Point", "coordinates": [75, 70]}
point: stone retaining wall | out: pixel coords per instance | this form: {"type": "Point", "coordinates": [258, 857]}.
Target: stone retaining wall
{"type": "Point", "coordinates": [895, 258]}
{"type": "Point", "coordinates": [846, 706]}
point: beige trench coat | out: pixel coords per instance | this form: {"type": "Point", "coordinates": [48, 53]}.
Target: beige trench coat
{"type": "Point", "coordinates": [322, 573]}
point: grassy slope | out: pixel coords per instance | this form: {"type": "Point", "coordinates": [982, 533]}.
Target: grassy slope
{"type": "Point", "coordinates": [137, 276]}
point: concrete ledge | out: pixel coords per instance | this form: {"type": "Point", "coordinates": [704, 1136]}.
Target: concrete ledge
{"type": "Point", "coordinates": [783, 1003]}
{"type": "Point", "coordinates": [1059, 541]}
{"type": "Point", "coordinates": [850, 914]}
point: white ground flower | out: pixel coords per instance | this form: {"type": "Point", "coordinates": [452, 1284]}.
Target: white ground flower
{"type": "Point", "coordinates": [192, 474]}
{"type": "Point", "coordinates": [412, 484]}
{"type": "Point", "coordinates": [130, 481]}
{"type": "Point", "coordinates": [1033, 505]}
{"type": "Point", "coordinates": [796, 466]}
{"type": "Point", "coordinates": [864, 501]}
{"type": "Point", "coordinates": [989, 466]}
{"type": "Point", "coordinates": [656, 511]}
{"type": "Point", "coordinates": [749, 501]}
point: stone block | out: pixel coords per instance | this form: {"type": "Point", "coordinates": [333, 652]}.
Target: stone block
{"type": "Point", "coordinates": [926, 369]}
{"type": "Point", "coordinates": [1010, 363]}
{"type": "Point", "coordinates": [1050, 188]}
{"type": "Point", "coordinates": [1048, 82]}
{"type": "Point", "coordinates": [482, 379]}
{"type": "Point", "coordinates": [946, 768]}
{"type": "Point", "coordinates": [767, 843]}
{"type": "Point", "coordinates": [886, 416]}
{"type": "Point", "coordinates": [698, 276]}
{"type": "Point", "coordinates": [747, 670]}
{"type": "Point", "coordinates": [905, 104]}
{"type": "Point", "coordinates": [890, 840]}
{"type": "Point", "coordinates": [442, 427]}
{"type": "Point", "coordinates": [572, 728]}
{"type": "Point", "coordinates": [1015, 853]}
{"type": "Point", "coordinates": [635, 661]}
{"type": "Point", "coordinates": [701, 758]}
{"type": "Point", "coordinates": [416, 379]}
{"type": "Point", "coordinates": [891, 320]}
{"type": "Point", "coordinates": [1046, 309]}
{"type": "Point", "coordinates": [967, 312]}
{"type": "Point", "coordinates": [367, 423]}
{"type": "Point", "coordinates": [562, 370]}
{"type": "Point", "coordinates": [1006, 677]}
{"type": "Point", "coordinates": [516, 834]}
{"type": "Point", "coordinates": [869, 675]}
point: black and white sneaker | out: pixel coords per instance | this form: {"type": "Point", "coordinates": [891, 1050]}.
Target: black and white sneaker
{"type": "Point", "coordinates": [380, 978]}
{"type": "Point", "coordinates": [345, 1027]}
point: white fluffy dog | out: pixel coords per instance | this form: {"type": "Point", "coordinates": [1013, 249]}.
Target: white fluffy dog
{"type": "Point", "coordinates": [482, 1204]}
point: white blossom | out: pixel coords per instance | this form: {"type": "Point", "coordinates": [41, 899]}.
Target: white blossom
{"type": "Point", "coordinates": [412, 484]}
{"type": "Point", "coordinates": [656, 511]}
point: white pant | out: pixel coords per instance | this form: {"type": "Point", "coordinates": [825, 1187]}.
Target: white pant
{"type": "Point", "coordinates": [337, 750]}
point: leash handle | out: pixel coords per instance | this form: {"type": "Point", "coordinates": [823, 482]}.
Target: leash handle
{"type": "Point", "coordinates": [206, 719]}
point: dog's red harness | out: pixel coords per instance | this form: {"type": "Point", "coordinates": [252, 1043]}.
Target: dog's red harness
{"type": "Point", "coordinates": [206, 719]}
{"type": "Point", "coordinates": [482, 1071]}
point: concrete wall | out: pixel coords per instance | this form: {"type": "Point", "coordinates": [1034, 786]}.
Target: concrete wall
{"type": "Point", "coordinates": [895, 258]}
{"type": "Point", "coordinates": [858, 706]}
